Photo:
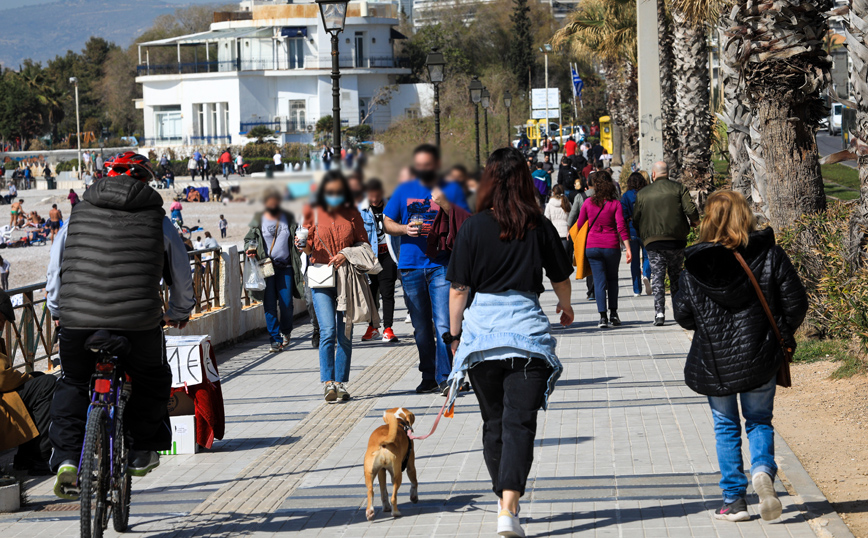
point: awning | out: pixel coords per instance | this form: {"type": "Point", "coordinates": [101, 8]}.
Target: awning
{"type": "Point", "coordinates": [294, 31]}
{"type": "Point", "coordinates": [211, 36]}
{"type": "Point", "coordinates": [395, 34]}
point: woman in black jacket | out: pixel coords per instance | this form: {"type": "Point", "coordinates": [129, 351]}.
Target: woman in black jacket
{"type": "Point", "coordinates": [735, 353]}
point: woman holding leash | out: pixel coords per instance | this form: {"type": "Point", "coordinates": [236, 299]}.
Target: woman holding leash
{"type": "Point", "coordinates": [336, 225]}
{"type": "Point", "coordinates": [503, 342]}
{"type": "Point", "coordinates": [744, 299]}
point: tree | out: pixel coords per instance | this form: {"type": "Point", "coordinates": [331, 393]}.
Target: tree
{"type": "Point", "coordinates": [521, 46]}
{"type": "Point", "coordinates": [668, 106]}
{"type": "Point", "coordinates": [260, 133]}
{"type": "Point", "coordinates": [19, 109]}
{"type": "Point", "coordinates": [784, 68]}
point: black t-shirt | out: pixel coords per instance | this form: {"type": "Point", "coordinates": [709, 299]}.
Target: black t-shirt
{"type": "Point", "coordinates": [488, 265]}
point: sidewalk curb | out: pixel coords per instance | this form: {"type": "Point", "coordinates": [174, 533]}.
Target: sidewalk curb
{"type": "Point", "coordinates": [817, 510]}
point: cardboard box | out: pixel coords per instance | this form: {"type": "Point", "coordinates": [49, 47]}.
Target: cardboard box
{"type": "Point", "coordinates": [183, 436]}
{"type": "Point", "coordinates": [181, 404]}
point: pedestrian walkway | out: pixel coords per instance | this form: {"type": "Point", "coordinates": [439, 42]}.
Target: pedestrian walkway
{"type": "Point", "coordinates": [625, 450]}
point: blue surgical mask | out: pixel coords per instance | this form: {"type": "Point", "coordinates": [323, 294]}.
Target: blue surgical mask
{"type": "Point", "coordinates": [334, 201]}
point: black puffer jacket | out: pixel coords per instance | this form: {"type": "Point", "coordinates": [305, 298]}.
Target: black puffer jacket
{"type": "Point", "coordinates": [734, 347]}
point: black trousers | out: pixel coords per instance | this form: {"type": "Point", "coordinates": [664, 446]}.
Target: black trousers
{"type": "Point", "coordinates": [36, 395]}
{"type": "Point", "coordinates": [146, 417]}
{"type": "Point", "coordinates": [383, 285]}
{"type": "Point", "coordinates": [510, 394]}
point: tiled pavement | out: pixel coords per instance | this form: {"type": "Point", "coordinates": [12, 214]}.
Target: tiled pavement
{"type": "Point", "coordinates": [625, 450]}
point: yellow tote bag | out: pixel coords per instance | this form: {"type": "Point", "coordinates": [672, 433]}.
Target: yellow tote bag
{"type": "Point", "coordinates": [580, 239]}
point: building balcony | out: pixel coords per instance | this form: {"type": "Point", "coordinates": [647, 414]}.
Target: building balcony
{"type": "Point", "coordinates": [186, 140]}
{"type": "Point", "coordinates": [310, 63]}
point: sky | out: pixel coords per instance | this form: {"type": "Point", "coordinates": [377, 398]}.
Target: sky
{"type": "Point", "coordinates": [9, 4]}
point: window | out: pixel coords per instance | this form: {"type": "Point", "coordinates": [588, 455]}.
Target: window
{"type": "Point", "coordinates": [167, 122]}
{"type": "Point", "coordinates": [363, 110]}
{"type": "Point", "coordinates": [213, 130]}
{"type": "Point", "coordinates": [412, 113]}
{"type": "Point", "coordinates": [225, 130]}
{"type": "Point", "coordinates": [360, 49]}
{"type": "Point", "coordinates": [297, 115]}
{"type": "Point", "coordinates": [200, 119]}
{"type": "Point", "coordinates": [296, 53]}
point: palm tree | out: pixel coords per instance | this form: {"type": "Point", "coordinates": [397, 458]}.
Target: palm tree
{"type": "Point", "coordinates": [605, 31]}
{"type": "Point", "coordinates": [668, 108]}
{"type": "Point", "coordinates": [692, 98]}
{"type": "Point", "coordinates": [778, 48]}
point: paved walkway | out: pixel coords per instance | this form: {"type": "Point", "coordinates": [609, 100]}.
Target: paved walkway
{"type": "Point", "coordinates": [625, 450]}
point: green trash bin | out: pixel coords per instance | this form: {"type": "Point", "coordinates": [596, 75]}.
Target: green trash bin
{"type": "Point", "coordinates": [52, 183]}
{"type": "Point", "coordinates": [269, 171]}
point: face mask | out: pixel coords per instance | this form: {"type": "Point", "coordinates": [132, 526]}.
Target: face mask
{"type": "Point", "coordinates": [426, 176]}
{"type": "Point", "coordinates": [273, 211]}
{"type": "Point", "coordinates": [334, 200]}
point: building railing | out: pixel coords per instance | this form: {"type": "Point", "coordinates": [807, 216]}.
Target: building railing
{"type": "Point", "coordinates": [282, 126]}
{"type": "Point", "coordinates": [245, 294]}
{"type": "Point", "coordinates": [30, 338]}
{"type": "Point", "coordinates": [309, 62]}
{"type": "Point", "coordinates": [186, 140]}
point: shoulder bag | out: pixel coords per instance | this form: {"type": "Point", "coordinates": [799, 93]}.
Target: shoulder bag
{"type": "Point", "coordinates": [580, 243]}
{"type": "Point", "coordinates": [266, 266]}
{"type": "Point", "coordinates": [783, 379]}
{"type": "Point", "coordinates": [320, 275]}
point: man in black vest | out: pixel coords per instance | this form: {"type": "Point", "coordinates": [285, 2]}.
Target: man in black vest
{"type": "Point", "coordinates": [105, 271]}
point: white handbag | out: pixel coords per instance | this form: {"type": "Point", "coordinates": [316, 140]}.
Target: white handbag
{"type": "Point", "coordinates": [321, 275]}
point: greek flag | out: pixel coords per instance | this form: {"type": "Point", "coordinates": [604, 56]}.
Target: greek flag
{"type": "Point", "coordinates": [577, 83]}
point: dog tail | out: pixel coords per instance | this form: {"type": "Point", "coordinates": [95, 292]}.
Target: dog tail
{"type": "Point", "coordinates": [392, 421]}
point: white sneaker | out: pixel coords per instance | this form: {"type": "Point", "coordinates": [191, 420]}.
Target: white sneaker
{"type": "Point", "coordinates": [509, 525]}
{"type": "Point", "coordinates": [637, 295]}
{"type": "Point", "coordinates": [408, 320]}
{"type": "Point", "coordinates": [647, 282]}
{"type": "Point", "coordinates": [770, 505]}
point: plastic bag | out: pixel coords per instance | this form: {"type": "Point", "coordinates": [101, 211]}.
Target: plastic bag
{"type": "Point", "coordinates": [253, 279]}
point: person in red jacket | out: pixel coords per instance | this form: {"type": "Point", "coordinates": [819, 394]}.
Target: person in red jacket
{"type": "Point", "coordinates": [226, 161]}
{"type": "Point", "coordinates": [570, 147]}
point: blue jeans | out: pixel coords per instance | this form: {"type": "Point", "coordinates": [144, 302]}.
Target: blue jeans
{"type": "Point", "coordinates": [604, 266]}
{"type": "Point", "coordinates": [278, 299]}
{"type": "Point", "coordinates": [756, 406]}
{"type": "Point", "coordinates": [426, 292]}
{"type": "Point", "coordinates": [637, 270]}
{"type": "Point", "coordinates": [334, 364]}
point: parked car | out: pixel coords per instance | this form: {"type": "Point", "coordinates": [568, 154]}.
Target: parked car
{"type": "Point", "coordinates": [835, 119]}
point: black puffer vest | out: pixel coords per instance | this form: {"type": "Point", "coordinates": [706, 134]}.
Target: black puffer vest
{"type": "Point", "coordinates": [113, 259]}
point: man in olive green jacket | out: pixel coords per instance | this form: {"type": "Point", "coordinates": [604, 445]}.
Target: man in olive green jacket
{"type": "Point", "coordinates": [663, 215]}
{"type": "Point", "coordinates": [272, 235]}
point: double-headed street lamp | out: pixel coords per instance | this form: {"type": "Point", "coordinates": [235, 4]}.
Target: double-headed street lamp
{"type": "Point", "coordinates": [486, 102]}
{"type": "Point", "coordinates": [334, 17]}
{"type": "Point", "coordinates": [546, 49]}
{"type": "Point", "coordinates": [507, 102]}
{"type": "Point", "coordinates": [74, 81]}
{"type": "Point", "coordinates": [436, 72]}
{"type": "Point", "coordinates": [475, 98]}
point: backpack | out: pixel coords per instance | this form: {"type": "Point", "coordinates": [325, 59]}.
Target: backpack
{"type": "Point", "coordinates": [556, 145]}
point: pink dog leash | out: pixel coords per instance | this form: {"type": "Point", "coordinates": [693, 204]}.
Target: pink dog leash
{"type": "Point", "coordinates": [433, 428]}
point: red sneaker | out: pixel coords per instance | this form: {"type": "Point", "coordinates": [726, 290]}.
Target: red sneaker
{"type": "Point", "coordinates": [389, 336]}
{"type": "Point", "coordinates": [370, 334]}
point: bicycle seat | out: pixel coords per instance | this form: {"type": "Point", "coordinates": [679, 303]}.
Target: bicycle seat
{"type": "Point", "coordinates": [104, 341]}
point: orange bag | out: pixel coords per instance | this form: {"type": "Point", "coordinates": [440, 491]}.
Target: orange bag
{"type": "Point", "coordinates": [580, 239]}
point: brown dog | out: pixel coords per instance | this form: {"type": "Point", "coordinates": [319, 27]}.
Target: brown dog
{"type": "Point", "coordinates": [391, 449]}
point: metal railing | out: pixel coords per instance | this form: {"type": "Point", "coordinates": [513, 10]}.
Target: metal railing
{"type": "Point", "coordinates": [185, 140]}
{"type": "Point", "coordinates": [308, 62]}
{"type": "Point", "coordinates": [31, 337]}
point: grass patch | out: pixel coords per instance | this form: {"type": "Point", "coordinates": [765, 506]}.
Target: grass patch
{"type": "Point", "coordinates": [842, 175]}
{"type": "Point", "coordinates": [841, 193]}
{"type": "Point", "coordinates": [839, 351]}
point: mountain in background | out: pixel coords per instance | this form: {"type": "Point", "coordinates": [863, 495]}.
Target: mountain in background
{"type": "Point", "coordinates": [41, 32]}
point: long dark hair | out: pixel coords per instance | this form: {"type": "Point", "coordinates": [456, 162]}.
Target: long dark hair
{"type": "Point", "coordinates": [604, 188]}
{"type": "Point", "coordinates": [334, 175]}
{"type": "Point", "coordinates": [508, 189]}
{"type": "Point", "coordinates": [636, 182]}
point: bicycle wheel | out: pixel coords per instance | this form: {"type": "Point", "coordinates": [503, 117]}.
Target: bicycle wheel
{"type": "Point", "coordinates": [94, 476]}
{"type": "Point", "coordinates": [122, 481]}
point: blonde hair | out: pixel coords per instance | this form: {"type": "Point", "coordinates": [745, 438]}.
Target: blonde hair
{"type": "Point", "coordinates": [728, 220]}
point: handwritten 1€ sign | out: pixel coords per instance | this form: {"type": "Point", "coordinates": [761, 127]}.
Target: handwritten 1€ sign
{"type": "Point", "coordinates": [185, 356]}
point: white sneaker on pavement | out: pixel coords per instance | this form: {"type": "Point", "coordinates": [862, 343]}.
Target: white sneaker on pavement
{"type": "Point", "coordinates": [770, 505]}
{"type": "Point", "coordinates": [509, 525]}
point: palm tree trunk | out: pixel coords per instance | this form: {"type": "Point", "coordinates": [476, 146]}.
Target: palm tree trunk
{"type": "Point", "coordinates": [856, 38]}
{"type": "Point", "coordinates": [630, 108]}
{"type": "Point", "coordinates": [736, 115]}
{"type": "Point", "coordinates": [668, 107]}
{"type": "Point", "coordinates": [692, 97]}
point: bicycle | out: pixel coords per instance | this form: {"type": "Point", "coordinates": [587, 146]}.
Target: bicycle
{"type": "Point", "coordinates": [103, 478]}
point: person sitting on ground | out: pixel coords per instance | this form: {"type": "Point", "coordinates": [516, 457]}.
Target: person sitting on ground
{"type": "Point", "coordinates": [25, 401]}
{"type": "Point", "coordinates": [736, 352]}
{"type": "Point", "coordinates": [193, 195]}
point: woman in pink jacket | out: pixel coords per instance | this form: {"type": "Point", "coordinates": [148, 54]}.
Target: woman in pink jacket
{"type": "Point", "coordinates": [607, 231]}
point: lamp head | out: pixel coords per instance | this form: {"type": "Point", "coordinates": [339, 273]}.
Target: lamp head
{"type": "Point", "coordinates": [334, 14]}
{"type": "Point", "coordinates": [507, 99]}
{"type": "Point", "coordinates": [436, 63]}
{"type": "Point", "coordinates": [475, 90]}
{"type": "Point", "coordinates": [486, 98]}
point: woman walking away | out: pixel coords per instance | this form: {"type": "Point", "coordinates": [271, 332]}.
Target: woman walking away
{"type": "Point", "coordinates": [504, 343]}
{"type": "Point", "coordinates": [606, 231]}
{"type": "Point", "coordinates": [558, 212]}
{"type": "Point", "coordinates": [736, 352]}
{"type": "Point", "coordinates": [337, 225]}
{"type": "Point", "coordinates": [270, 237]}
{"type": "Point", "coordinates": [640, 271]}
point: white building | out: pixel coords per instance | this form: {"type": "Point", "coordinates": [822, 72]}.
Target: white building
{"type": "Point", "coordinates": [270, 64]}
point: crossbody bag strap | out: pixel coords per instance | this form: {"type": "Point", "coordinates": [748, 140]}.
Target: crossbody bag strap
{"type": "Point", "coordinates": [274, 239]}
{"type": "Point", "coordinates": [591, 224]}
{"type": "Point", "coordinates": [762, 298]}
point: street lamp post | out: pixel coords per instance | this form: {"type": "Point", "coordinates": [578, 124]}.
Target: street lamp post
{"type": "Point", "coordinates": [546, 49]}
{"type": "Point", "coordinates": [334, 16]}
{"type": "Point", "coordinates": [475, 98]}
{"type": "Point", "coordinates": [486, 102]}
{"type": "Point", "coordinates": [74, 80]}
{"type": "Point", "coordinates": [436, 63]}
{"type": "Point", "coordinates": [507, 102]}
